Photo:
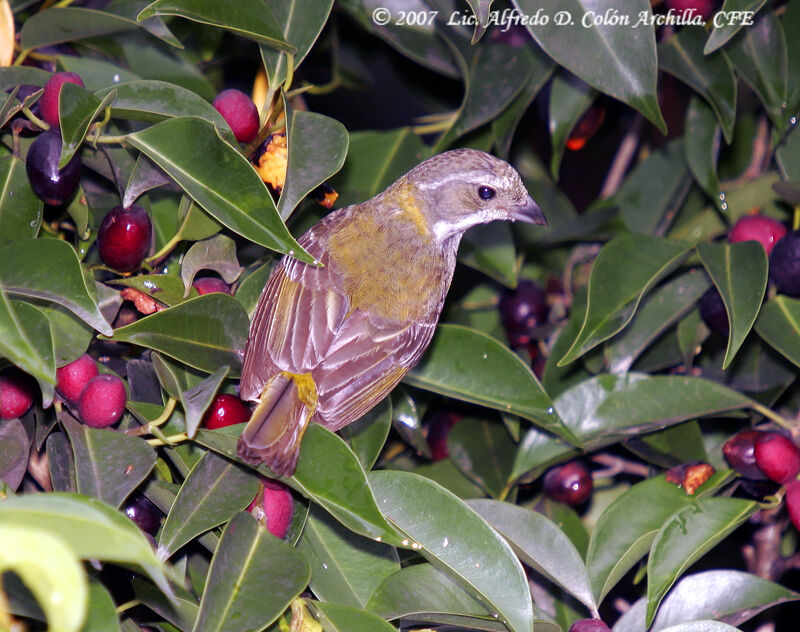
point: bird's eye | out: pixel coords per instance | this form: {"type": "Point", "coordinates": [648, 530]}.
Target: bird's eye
{"type": "Point", "coordinates": [486, 193]}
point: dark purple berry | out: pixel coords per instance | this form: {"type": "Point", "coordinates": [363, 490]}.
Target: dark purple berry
{"type": "Point", "coordinates": [740, 453]}
{"type": "Point", "coordinates": [55, 186]}
{"type": "Point", "coordinates": [48, 104]}
{"type": "Point", "coordinates": [570, 483]}
{"type": "Point", "coordinates": [440, 426]}
{"type": "Point", "coordinates": [144, 513]}
{"type": "Point", "coordinates": [713, 312]}
{"type": "Point", "coordinates": [239, 112]}
{"type": "Point", "coordinates": [522, 310]}
{"type": "Point", "coordinates": [784, 264]}
{"type": "Point", "coordinates": [102, 401]}
{"type": "Point", "coordinates": [123, 238]}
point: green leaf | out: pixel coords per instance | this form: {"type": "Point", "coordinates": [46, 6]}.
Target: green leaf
{"type": "Point", "coordinates": [253, 577]}
{"type": "Point", "coordinates": [481, 10]}
{"type": "Point", "coordinates": [50, 570]}
{"type": "Point", "coordinates": [213, 492]}
{"type": "Point", "coordinates": [345, 567]}
{"type": "Point", "coordinates": [77, 108]}
{"type": "Point", "coordinates": [182, 612]}
{"type": "Point", "coordinates": [97, 74]}
{"type": "Point", "coordinates": [688, 535]}
{"type": "Point", "coordinates": [779, 324]}
{"type": "Point", "coordinates": [102, 611]}
{"type": "Point", "coordinates": [204, 332]}
{"type": "Point", "coordinates": [253, 20]}
{"type": "Point", "coordinates": [367, 435]}
{"type": "Point", "coordinates": [474, 367]}
{"type": "Point", "coordinates": [217, 253]}
{"type": "Point", "coordinates": [165, 288]}
{"type": "Point", "coordinates": [740, 273]}
{"type": "Point", "coordinates": [701, 147]}
{"type": "Point", "coordinates": [484, 451]}
{"type": "Point", "coordinates": [92, 529]}
{"type": "Point", "coordinates": [347, 496]}
{"type": "Point", "coordinates": [20, 208]}
{"type": "Point", "coordinates": [26, 268]}
{"type": "Point", "coordinates": [626, 268]}
{"type": "Point", "coordinates": [338, 618]}
{"type": "Point", "coordinates": [540, 544]}
{"type": "Point", "coordinates": [218, 178]}
{"type": "Point", "coordinates": [71, 336]}
{"type": "Point", "coordinates": [11, 76]}
{"type": "Point", "coordinates": [569, 99]}
{"type": "Point", "coordinates": [734, 596]}
{"type": "Point", "coordinates": [728, 28]}
{"type": "Point", "coordinates": [710, 75]}
{"type": "Point", "coordinates": [490, 249]}
{"type": "Point", "coordinates": [68, 24]}
{"type": "Point", "coordinates": [661, 309]}
{"type": "Point", "coordinates": [300, 23]}
{"type": "Point", "coordinates": [616, 59]}
{"type": "Point", "coordinates": [109, 464]}
{"type": "Point", "coordinates": [308, 166]}
{"type": "Point", "coordinates": [476, 555]}
{"type": "Point", "coordinates": [61, 463]}
{"type": "Point", "coordinates": [14, 449]}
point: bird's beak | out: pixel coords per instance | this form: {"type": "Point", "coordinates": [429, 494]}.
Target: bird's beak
{"type": "Point", "coordinates": [529, 212]}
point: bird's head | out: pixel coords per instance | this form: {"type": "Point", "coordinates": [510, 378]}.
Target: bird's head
{"type": "Point", "coordinates": [461, 188]}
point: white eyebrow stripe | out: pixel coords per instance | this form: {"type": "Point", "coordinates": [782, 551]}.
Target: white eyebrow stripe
{"type": "Point", "coordinates": [476, 177]}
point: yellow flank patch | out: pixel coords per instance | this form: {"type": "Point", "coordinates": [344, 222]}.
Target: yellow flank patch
{"type": "Point", "coordinates": [306, 390]}
{"type": "Point", "coordinates": [406, 201]}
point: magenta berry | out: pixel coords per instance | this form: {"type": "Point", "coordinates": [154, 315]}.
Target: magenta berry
{"type": "Point", "coordinates": [16, 393]}
{"type": "Point", "coordinates": [48, 104]}
{"type": "Point", "coordinates": [440, 426]}
{"type": "Point", "coordinates": [793, 502]}
{"type": "Point", "coordinates": [760, 228]}
{"type": "Point", "coordinates": [570, 483]}
{"type": "Point", "coordinates": [522, 310]}
{"type": "Point", "coordinates": [102, 401]}
{"type": "Point", "coordinates": [144, 513]}
{"type": "Point", "coordinates": [225, 410]}
{"type": "Point", "coordinates": [778, 457]}
{"type": "Point", "coordinates": [53, 185]}
{"type": "Point", "coordinates": [239, 112]}
{"type": "Point", "coordinates": [274, 507]}
{"type": "Point", "coordinates": [123, 238]}
{"type": "Point", "coordinates": [692, 8]}
{"type": "Point", "coordinates": [784, 264]}
{"type": "Point", "coordinates": [209, 285]}
{"type": "Point", "coordinates": [589, 625]}
{"type": "Point", "coordinates": [73, 377]}
{"type": "Point", "coordinates": [740, 453]}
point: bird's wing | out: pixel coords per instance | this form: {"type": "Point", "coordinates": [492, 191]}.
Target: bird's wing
{"type": "Point", "coordinates": [295, 321]}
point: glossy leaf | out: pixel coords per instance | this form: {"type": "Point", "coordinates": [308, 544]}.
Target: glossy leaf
{"type": "Point", "coordinates": [71, 336]}
{"type": "Point", "coordinates": [213, 492]}
{"type": "Point", "coordinates": [61, 462]}
{"type": "Point", "coordinates": [345, 568]}
{"type": "Point", "coordinates": [740, 273]}
{"type": "Point", "coordinates": [217, 253]}
{"type": "Point", "coordinates": [253, 577]}
{"type": "Point", "coordinates": [165, 288]}
{"type": "Point", "coordinates": [481, 10]}
{"type": "Point", "coordinates": [569, 99]}
{"type": "Point", "coordinates": [50, 570]}
{"type": "Point", "coordinates": [626, 268]}
{"type": "Point", "coordinates": [26, 268]}
{"type": "Point", "coordinates": [69, 24]}
{"type": "Point", "coordinates": [11, 76]}
{"type": "Point", "coordinates": [426, 513]}
{"type": "Point", "coordinates": [77, 109]}
{"type": "Point", "coordinates": [620, 61]}
{"type": "Point", "coordinates": [367, 435]}
{"type": "Point", "coordinates": [490, 249]}
{"type": "Point", "coordinates": [204, 332]}
{"type": "Point", "coordinates": [686, 537]}
{"type": "Point", "coordinates": [102, 611]}
{"type": "Point", "coordinates": [253, 20]}
{"type": "Point", "coordinates": [484, 451]}
{"type": "Point", "coordinates": [14, 449]}
{"type": "Point", "coordinates": [540, 544]}
{"type": "Point", "coordinates": [20, 209]}
{"type": "Point", "coordinates": [339, 618]}
{"type": "Point", "coordinates": [218, 178]}
{"type": "Point", "coordinates": [728, 28]}
{"type": "Point", "coordinates": [779, 324]}
{"type": "Point", "coordinates": [731, 595]}
{"type": "Point", "coordinates": [473, 367]}
{"type": "Point", "coordinates": [181, 612]}
{"type": "Point", "coordinates": [659, 310]}
{"type": "Point", "coordinates": [701, 146]}
{"type": "Point", "coordinates": [711, 76]}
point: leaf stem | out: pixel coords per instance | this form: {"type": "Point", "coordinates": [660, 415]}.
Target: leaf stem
{"type": "Point", "coordinates": [128, 605]}
{"type": "Point", "coordinates": [171, 440]}
{"type": "Point", "coordinates": [778, 419]}
{"type": "Point", "coordinates": [796, 218]}
{"type": "Point", "coordinates": [34, 119]}
{"type": "Point", "coordinates": [166, 248]}
{"type": "Point", "coordinates": [150, 428]}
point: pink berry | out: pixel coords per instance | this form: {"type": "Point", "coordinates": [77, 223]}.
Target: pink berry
{"type": "Point", "coordinates": [123, 238]}
{"type": "Point", "coordinates": [702, 8]}
{"type": "Point", "coordinates": [102, 401]}
{"type": "Point", "coordinates": [16, 394]}
{"type": "Point", "coordinates": [239, 112]}
{"type": "Point", "coordinates": [793, 502]}
{"type": "Point", "coordinates": [589, 625]}
{"type": "Point", "coordinates": [208, 285]}
{"type": "Point", "coordinates": [778, 457]}
{"type": "Point", "coordinates": [275, 509]}
{"type": "Point", "coordinates": [760, 228]}
{"type": "Point", "coordinates": [225, 410]}
{"type": "Point", "coordinates": [48, 104]}
{"type": "Point", "coordinates": [73, 377]}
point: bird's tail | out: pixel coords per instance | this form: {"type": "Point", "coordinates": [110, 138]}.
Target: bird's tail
{"type": "Point", "coordinates": [276, 427]}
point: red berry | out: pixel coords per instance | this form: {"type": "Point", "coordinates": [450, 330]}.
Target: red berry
{"type": "Point", "coordinates": [226, 410]}
{"type": "Point", "coordinates": [740, 453]}
{"type": "Point", "coordinates": [123, 238]}
{"type": "Point", "coordinates": [778, 457]}
{"type": "Point", "coordinates": [48, 104]}
{"type": "Point", "coordinates": [73, 377]}
{"type": "Point", "coordinates": [53, 185]}
{"type": "Point", "coordinates": [16, 394]}
{"type": "Point", "coordinates": [784, 264]}
{"type": "Point", "coordinates": [273, 508]}
{"type": "Point", "coordinates": [144, 513]}
{"type": "Point", "coordinates": [102, 401]}
{"type": "Point", "coordinates": [440, 426]}
{"type": "Point", "coordinates": [589, 625]}
{"type": "Point", "coordinates": [793, 502]}
{"type": "Point", "coordinates": [760, 228]}
{"type": "Point", "coordinates": [239, 112]}
{"type": "Point", "coordinates": [570, 483]}
{"type": "Point", "coordinates": [522, 310]}
{"type": "Point", "coordinates": [208, 285]}
{"type": "Point", "coordinates": [702, 8]}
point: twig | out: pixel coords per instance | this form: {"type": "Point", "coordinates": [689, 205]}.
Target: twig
{"type": "Point", "coordinates": [616, 465]}
{"type": "Point", "coordinates": [625, 153]}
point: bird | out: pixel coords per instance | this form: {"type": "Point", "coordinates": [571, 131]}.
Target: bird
{"type": "Point", "coordinates": [328, 341]}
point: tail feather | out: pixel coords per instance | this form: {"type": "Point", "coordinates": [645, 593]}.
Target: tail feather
{"type": "Point", "coordinates": [276, 427]}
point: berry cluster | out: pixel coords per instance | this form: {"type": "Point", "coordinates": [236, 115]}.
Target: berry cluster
{"type": "Point", "coordinates": [99, 399]}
